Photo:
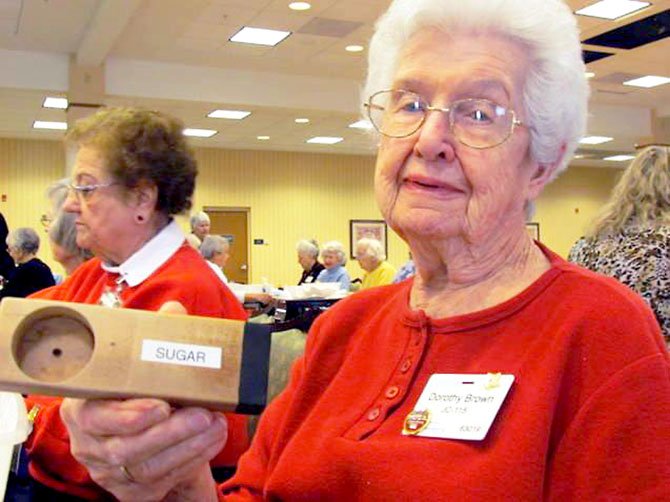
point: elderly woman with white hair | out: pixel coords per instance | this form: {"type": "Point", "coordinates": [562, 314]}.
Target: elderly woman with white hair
{"type": "Point", "coordinates": [501, 371]}
{"type": "Point", "coordinates": [31, 274]}
{"type": "Point", "coordinates": [371, 257]}
{"type": "Point", "coordinates": [200, 226]}
{"type": "Point", "coordinates": [308, 257]}
{"type": "Point", "coordinates": [334, 259]}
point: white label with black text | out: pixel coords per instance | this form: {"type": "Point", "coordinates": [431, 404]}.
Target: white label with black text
{"type": "Point", "coordinates": [183, 354]}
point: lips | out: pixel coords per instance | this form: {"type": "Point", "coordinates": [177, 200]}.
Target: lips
{"type": "Point", "coordinates": [428, 184]}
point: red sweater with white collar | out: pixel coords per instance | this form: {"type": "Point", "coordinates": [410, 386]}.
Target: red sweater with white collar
{"type": "Point", "coordinates": [184, 277]}
{"type": "Point", "coordinates": [588, 416]}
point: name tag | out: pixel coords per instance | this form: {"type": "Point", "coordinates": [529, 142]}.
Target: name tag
{"type": "Point", "coordinates": [458, 406]}
{"type": "Point", "coordinates": [182, 354]}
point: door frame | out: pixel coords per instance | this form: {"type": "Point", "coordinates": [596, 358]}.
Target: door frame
{"type": "Point", "coordinates": [237, 209]}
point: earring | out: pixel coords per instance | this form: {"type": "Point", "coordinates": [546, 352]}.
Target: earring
{"type": "Point", "coordinates": [139, 218]}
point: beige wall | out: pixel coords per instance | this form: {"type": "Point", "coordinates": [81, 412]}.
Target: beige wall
{"type": "Point", "coordinates": [290, 196]}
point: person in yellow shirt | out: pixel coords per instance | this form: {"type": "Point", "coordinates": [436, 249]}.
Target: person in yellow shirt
{"type": "Point", "coordinates": [371, 258]}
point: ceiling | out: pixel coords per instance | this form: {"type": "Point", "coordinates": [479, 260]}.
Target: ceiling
{"type": "Point", "coordinates": [174, 55]}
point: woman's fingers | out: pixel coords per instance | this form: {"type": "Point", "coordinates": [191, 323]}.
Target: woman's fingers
{"type": "Point", "coordinates": [111, 417]}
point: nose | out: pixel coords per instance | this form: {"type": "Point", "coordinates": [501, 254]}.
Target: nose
{"type": "Point", "coordinates": [435, 141]}
{"type": "Point", "coordinates": [71, 202]}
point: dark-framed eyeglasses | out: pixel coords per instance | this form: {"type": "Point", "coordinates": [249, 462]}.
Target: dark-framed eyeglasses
{"type": "Point", "coordinates": [84, 192]}
{"type": "Point", "coordinates": [477, 123]}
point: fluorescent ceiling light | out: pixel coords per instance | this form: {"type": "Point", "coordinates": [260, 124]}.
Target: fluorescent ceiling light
{"type": "Point", "coordinates": [228, 114]}
{"type": "Point", "coordinates": [648, 81]}
{"type": "Point", "coordinates": [612, 9]}
{"type": "Point", "coordinates": [299, 6]}
{"type": "Point", "coordinates": [45, 124]}
{"type": "Point", "coordinates": [301, 121]}
{"type": "Point", "coordinates": [620, 158]}
{"type": "Point", "coordinates": [199, 133]}
{"type": "Point", "coordinates": [259, 36]}
{"type": "Point", "coordinates": [324, 140]}
{"type": "Point", "coordinates": [263, 138]}
{"type": "Point", "coordinates": [578, 156]}
{"type": "Point", "coordinates": [354, 48]}
{"type": "Point", "coordinates": [52, 102]}
{"type": "Point", "coordinates": [589, 74]}
{"type": "Point", "coordinates": [361, 124]}
{"type": "Point", "coordinates": [595, 140]}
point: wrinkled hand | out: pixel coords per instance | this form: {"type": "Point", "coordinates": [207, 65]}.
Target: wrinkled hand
{"type": "Point", "coordinates": [165, 452]}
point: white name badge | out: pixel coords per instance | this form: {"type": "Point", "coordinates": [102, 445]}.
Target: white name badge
{"type": "Point", "coordinates": [458, 406]}
{"type": "Point", "coordinates": [183, 354]}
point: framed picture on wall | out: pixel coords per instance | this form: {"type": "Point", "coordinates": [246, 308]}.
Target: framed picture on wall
{"type": "Point", "coordinates": [534, 230]}
{"type": "Point", "coordinates": [373, 229]}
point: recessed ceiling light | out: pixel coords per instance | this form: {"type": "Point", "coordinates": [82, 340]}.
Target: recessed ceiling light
{"type": "Point", "coordinates": [45, 124]}
{"type": "Point", "coordinates": [325, 140]}
{"type": "Point", "coordinates": [52, 102]}
{"type": "Point", "coordinates": [259, 36]}
{"type": "Point", "coordinates": [299, 6]}
{"type": "Point", "coordinates": [595, 140]}
{"type": "Point", "coordinates": [620, 158]}
{"type": "Point", "coordinates": [612, 9]}
{"type": "Point", "coordinates": [589, 74]}
{"type": "Point", "coordinates": [263, 138]}
{"type": "Point", "coordinates": [648, 81]}
{"type": "Point", "coordinates": [302, 121]}
{"type": "Point", "coordinates": [228, 114]}
{"type": "Point", "coordinates": [354, 48]}
{"type": "Point", "coordinates": [361, 124]}
{"type": "Point", "coordinates": [199, 133]}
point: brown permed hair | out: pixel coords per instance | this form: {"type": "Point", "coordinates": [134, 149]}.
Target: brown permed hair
{"type": "Point", "coordinates": [143, 145]}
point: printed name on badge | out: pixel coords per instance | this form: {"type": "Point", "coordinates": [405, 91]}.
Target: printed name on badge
{"type": "Point", "coordinates": [183, 354]}
{"type": "Point", "coordinates": [458, 406]}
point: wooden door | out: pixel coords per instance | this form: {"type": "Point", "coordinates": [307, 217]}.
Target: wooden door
{"type": "Point", "coordinates": [233, 223]}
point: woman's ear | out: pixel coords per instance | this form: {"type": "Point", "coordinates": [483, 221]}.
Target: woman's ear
{"type": "Point", "coordinates": [145, 196]}
{"type": "Point", "coordinates": [542, 174]}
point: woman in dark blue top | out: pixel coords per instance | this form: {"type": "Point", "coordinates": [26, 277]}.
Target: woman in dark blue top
{"type": "Point", "coordinates": [31, 274]}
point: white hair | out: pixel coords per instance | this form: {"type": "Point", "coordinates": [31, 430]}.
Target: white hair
{"type": "Point", "coordinates": [556, 89]}
{"type": "Point", "coordinates": [199, 217]}
{"type": "Point", "coordinates": [213, 245]}
{"type": "Point", "coordinates": [336, 248]}
{"type": "Point", "coordinates": [372, 248]}
{"type": "Point", "coordinates": [24, 239]}
{"type": "Point", "coordinates": [308, 247]}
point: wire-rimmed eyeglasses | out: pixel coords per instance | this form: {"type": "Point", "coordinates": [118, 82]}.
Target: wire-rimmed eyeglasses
{"type": "Point", "coordinates": [477, 123]}
{"type": "Point", "coordinates": [83, 192]}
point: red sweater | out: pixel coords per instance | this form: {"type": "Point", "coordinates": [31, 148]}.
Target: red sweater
{"type": "Point", "coordinates": [184, 277]}
{"type": "Point", "coordinates": [588, 416]}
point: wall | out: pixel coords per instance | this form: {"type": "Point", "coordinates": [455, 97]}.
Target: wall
{"type": "Point", "coordinates": [291, 196]}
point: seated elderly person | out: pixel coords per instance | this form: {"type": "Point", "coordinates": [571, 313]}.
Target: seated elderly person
{"type": "Point", "coordinates": [133, 173]}
{"type": "Point", "coordinates": [371, 257]}
{"type": "Point", "coordinates": [334, 258]}
{"type": "Point", "coordinates": [501, 371]}
{"type": "Point", "coordinates": [200, 225]}
{"type": "Point", "coordinates": [31, 274]}
{"type": "Point", "coordinates": [215, 249]}
{"type": "Point", "coordinates": [62, 231]}
{"type": "Point", "coordinates": [308, 254]}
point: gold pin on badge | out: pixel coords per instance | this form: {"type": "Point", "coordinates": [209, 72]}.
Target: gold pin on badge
{"type": "Point", "coordinates": [415, 422]}
{"type": "Point", "coordinates": [494, 381]}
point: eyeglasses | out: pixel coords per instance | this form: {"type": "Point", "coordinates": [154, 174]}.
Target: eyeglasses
{"type": "Point", "coordinates": [477, 123]}
{"type": "Point", "coordinates": [84, 192]}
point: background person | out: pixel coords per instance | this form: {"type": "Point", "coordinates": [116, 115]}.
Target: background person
{"type": "Point", "coordinates": [6, 262]}
{"type": "Point", "coordinates": [31, 274]}
{"type": "Point", "coordinates": [479, 105]}
{"type": "Point", "coordinates": [308, 257]}
{"type": "Point", "coordinates": [133, 172]}
{"type": "Point", "coordinates": [62, 231]}
{"type": "Point", "coordinates": [630, 238]}
{"type": "Point", "coordinates": [215, 249]}
{"type": "Point", "coordinates": [371, 258]}
{"type": "Point", "coordinates": [334, 259]}
{"type": "Point", "coordinates": [200, 225]}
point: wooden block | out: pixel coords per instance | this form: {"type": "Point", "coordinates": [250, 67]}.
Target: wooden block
{"type": "Point", "coordinates": [89, 351]}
